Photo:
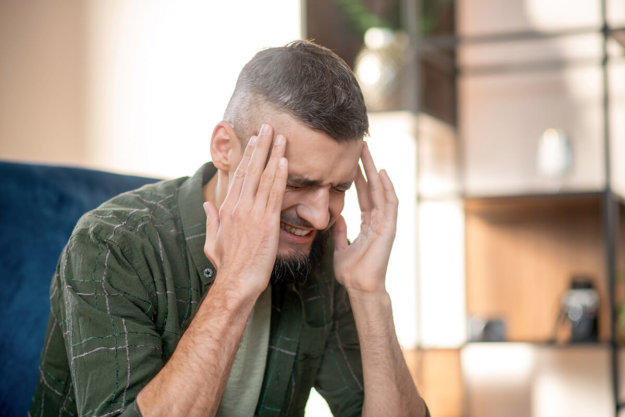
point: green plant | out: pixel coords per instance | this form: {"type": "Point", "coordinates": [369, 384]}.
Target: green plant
{"type": "Point", "coordinates": [362, 19]}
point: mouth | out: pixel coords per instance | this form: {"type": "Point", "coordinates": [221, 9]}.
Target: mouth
{"type": "Point", "coordinates": [295, 230]}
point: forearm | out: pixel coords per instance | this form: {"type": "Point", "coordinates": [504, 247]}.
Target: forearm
{"type": "Point", "coordinates": [193, 380]}
{"type": "Point", "coordinates": [389, 388]}
{"type": "Point", "coordinates": [241, 242]}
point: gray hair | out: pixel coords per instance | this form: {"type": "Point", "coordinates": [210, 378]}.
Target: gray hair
{"type": "Point", "coordinates": [305, 80]}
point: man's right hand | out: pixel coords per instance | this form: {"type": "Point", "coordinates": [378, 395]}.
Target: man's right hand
{"type": "Point", "coordinates": [241, 242]}
{"type": "Point", "coordinates": [242, 237]}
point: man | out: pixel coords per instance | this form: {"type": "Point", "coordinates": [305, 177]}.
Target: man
{"type": "Point", "coordinates": [162, 308]}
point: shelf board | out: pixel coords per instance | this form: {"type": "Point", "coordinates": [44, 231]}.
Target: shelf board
{"type": "Point", "coordinates": [451, 41]}
{"type": "Point", "coordinates": [478, 202]}
{"type": "Point", "coordinates": [580, 345]}
{"type": "Point", "coordinates": [519, 201]}
{"type": "Point", "coordinates": [533, 195]}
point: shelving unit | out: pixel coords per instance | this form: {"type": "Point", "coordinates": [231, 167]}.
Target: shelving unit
{"type": "Point", "coordinates": [525, 235]}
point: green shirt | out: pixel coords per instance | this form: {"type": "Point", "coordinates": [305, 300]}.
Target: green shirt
{"type": "Point", "coordinates": [131, 278]}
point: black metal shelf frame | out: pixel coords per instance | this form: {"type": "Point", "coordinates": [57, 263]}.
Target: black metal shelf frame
{"type": "Point", "coordinates": [439, 52]}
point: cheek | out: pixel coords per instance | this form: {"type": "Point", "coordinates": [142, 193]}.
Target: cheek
{"type": "Point", "coordinates": [289, 200]}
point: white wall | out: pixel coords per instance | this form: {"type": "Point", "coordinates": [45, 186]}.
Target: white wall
{"type": "Point", "coordinates": [42, 86]}
{"type": "Point", "coordinates": [162, 73]}
{"type": "Point", "coordinates": [126, 85]}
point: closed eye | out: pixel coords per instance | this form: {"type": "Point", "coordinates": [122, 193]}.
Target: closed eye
{"type": "Point", "coordinates": [294, 187]}
{"type": "Point", "coordinates": [343, 187]}
{"type": "Point", "coordinates": [296, 184]}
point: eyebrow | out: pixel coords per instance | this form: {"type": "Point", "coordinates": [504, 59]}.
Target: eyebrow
{"type": "Point", "coordinates": [308, 182]}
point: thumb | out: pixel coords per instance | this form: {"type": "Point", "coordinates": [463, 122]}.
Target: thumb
{"type": "Point", "coordinates": [339, 234]}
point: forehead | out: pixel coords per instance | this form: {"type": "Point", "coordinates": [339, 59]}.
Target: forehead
{"type": "Point", "coordinates": [314, 155]}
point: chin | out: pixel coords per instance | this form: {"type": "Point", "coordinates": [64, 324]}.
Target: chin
{"type": "Point", "coordinates": [292, 267]}
{"type": "Point", "coordinates": [294, 264]}
{"type": "Point", "coordinates": [291, 252]}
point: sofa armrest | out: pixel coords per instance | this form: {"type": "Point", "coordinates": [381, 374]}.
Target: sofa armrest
{"type": "Point", "coordinates": [39, 206]}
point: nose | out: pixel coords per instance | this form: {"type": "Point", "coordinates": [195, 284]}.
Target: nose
{"type": "Point", "coordinates": [315, 208]}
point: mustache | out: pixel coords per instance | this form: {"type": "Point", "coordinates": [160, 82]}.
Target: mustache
{"type": "Point", "coordinates": [295, 220]}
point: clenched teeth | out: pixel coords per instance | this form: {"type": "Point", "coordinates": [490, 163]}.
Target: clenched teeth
{"type": "Point", "coordinates": [293, 230]}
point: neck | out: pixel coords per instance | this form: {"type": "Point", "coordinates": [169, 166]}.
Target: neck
{"type": "Point", "coordinates": [216, 188]}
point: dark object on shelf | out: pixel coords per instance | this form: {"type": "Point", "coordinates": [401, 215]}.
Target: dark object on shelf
{"type": "Point", "coordinates": [486, 330]}
{"type": "Point", "coordinates": [580, 309]}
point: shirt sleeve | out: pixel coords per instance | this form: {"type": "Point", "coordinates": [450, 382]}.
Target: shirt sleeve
{"type": "Point", "coordinates": [339, 379]}
{"type": "Point", "coordinates": [103, 314]}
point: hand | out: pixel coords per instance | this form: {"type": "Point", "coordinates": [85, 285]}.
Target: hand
{"type": "Point", "coordinates": [242, 237]}
{"type": "Point", "coordinates": [362, 265]}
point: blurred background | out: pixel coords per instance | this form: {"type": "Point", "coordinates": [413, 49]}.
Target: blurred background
{"type": "Point", "coordinates": [501, 122]}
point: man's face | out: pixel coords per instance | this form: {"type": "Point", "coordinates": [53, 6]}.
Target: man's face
{"type": "Point", "coordinates": [320, 171]}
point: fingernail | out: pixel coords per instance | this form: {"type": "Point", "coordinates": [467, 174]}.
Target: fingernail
{"type": "Point", "coordinates": [264, 129]}
{"type": "Point", "coordinates": [280, 140]}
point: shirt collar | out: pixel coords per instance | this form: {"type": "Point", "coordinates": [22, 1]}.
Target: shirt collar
{"type": "Point", "coordinates": [190, 200]}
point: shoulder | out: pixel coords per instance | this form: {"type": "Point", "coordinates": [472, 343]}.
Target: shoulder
{"type": "Point", "coordinates": [127, 217]}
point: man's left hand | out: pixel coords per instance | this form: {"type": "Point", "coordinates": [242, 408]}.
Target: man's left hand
{"type": "Point", "coordinates": [362, 265]}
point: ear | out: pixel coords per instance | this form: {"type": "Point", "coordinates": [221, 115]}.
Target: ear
{"type": "Point", "coordinates": [225, 148]}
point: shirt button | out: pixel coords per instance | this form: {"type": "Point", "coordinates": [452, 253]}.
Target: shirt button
{"type": "Point", "coordinates": [208, 273]}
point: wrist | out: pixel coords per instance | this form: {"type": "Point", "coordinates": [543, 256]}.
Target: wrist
{"type": "Point", "coordinates": [236, 291]}
{"type": "Point", "coordinates": [368, 295]}
{"type": "Point", "coordinates": [373, 313]}
{"type": "Point", "coordinates": [365, 287]}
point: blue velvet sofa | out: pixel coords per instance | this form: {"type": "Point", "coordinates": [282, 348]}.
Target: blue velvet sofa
{"type": "Point", "coordinates": [39, 206]}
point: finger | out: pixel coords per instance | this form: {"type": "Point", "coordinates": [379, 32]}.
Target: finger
{"type": "Point", "coordinates": [269, 174]}
{"type": "Point", "coordinates": [257, 162]}
{"type": "Point", "coordinates": [389, 190]}
{"type": "Point", "coordinates": [362, 191]}
{"type": "Point", "coordinates": [234, 188]}
{"type": "Point", "coordinates": [339, 234]}
{"type": "Point", "coordinates": [376, 195]}
{"type": "Point", "coordinates": [276, 194]}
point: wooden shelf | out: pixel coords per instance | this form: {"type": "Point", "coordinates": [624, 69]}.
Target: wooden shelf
{"type": "Point", "coordinates": [551, 345]}
{"type": "Point", "coordinates": [530, 198]}
{"type": "Point", "coordinates": [521, 253]}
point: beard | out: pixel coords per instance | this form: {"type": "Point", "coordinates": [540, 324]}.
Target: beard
{"type": "Point", "coordinates": [296, 268]}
